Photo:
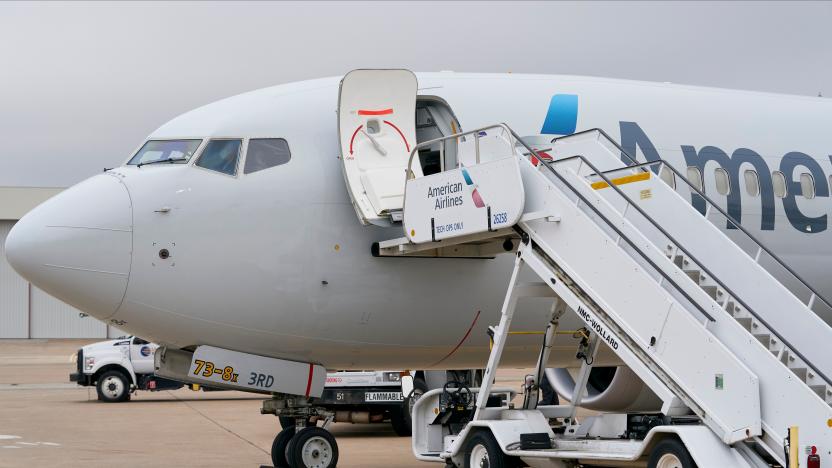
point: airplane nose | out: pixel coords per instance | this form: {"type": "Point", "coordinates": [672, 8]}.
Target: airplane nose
{"type": "Point", "coordinates": [77, 246]}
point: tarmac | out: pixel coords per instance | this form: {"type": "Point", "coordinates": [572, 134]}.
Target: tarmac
{"type": "Point", "coordinates": [46, 421]}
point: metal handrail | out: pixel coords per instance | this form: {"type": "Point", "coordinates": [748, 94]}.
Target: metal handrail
{"type": "Point", "coordinates": [443, 139]}
{"type": "Point", "coordinates": [602, 132]}
{"type": "Point", "coordinates": [652, 221]}
{"type": "Point", "coordinates": [619, 232]}
{"type": "Point", "coordinates": [713, 204]}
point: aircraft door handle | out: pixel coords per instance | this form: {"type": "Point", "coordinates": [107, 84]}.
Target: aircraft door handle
{"type": "Point", "coordinates": [164, 209]}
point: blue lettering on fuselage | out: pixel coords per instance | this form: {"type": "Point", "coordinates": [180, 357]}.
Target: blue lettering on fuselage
{"type": "Point", "coordinates": [634, 138]}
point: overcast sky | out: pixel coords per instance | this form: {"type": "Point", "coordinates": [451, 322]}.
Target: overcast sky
{"type": "Point", "coordinates": [82, 84]}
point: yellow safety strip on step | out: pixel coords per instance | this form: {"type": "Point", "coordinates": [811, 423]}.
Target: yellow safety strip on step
{"type": "Point", "coordinates": [622, 180]}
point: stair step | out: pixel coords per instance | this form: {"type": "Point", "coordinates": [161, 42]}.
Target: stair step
{"type": "Point", "coordinates": [764, 338]}
{"type": "Point", "coordinates": [738, 312]}
{"type": "Point", "coordinates": [800, 372]}
{"type": "Point", "coordinates": [819, 389]}
{"type": "Point", "coordinates": [694, 275]}
{"type": "Point", "coordinates": [711, 291]}
{"type": "Point", "coordinates": [745, 322]}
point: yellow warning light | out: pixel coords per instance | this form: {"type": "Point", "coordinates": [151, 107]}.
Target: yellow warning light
{"type": "Point", "coordinates": [436, 411]}
{"type": "Point", "coordinates": [829, 422]}
{"type": "Point", "coordinates": [337, 247]}
{"type": "Point", "coordinates": [412, 232]}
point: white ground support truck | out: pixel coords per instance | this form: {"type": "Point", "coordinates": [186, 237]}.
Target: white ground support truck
{"type": "Point", "coordinates": [739, 364]}
{"type": "Point", "coordinates": [119, 367]}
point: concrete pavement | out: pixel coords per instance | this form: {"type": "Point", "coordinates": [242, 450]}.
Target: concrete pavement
{"type": "Point", "coordinates": [45, 421]}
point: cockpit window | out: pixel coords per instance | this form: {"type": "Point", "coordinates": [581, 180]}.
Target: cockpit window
{"type": "Point", "coordinates": [221, 156]}
{"type": "Point", "coordinates": [264, 153]}
{"type": "Point", "coordinates": [174, 151]}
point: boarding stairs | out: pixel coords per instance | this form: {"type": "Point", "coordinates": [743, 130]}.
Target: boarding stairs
{"type": "Point", "coordinates": [698, 316]}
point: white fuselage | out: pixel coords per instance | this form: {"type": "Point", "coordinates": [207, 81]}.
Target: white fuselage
{"type": "Point", "coordinates": [276, 262]}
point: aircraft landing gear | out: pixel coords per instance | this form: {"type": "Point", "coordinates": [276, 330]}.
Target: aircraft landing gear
{"type": "Point", "coordinates": [302, 445]}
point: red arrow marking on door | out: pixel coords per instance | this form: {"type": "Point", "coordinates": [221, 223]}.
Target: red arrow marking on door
{"type": "Point", "coordinates": [353, 136]}
{"type": "Point", "coordinates": [406, 144]}
{"type": "Point", "coordinates": [375, 112]}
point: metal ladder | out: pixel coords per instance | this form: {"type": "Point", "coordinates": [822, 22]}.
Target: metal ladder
{"type": "Point", "coordinates": [607, 245]}
{"type": "Point", "coordinates": [779, 362]}
{"type": "Point", "coordinates": [751, 317]}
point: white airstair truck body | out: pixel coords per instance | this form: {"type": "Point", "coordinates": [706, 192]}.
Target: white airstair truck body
{"type": "Point", "coordinates": [737, 360]}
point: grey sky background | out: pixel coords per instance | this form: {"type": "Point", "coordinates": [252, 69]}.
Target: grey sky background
{"type": "Point", "coordinates": [81, 84]}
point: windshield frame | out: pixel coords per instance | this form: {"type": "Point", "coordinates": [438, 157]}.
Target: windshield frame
{"type": "Point", "coordinates": [197, 150]}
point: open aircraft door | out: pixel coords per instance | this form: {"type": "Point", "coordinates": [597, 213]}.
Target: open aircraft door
{"type": "Point", "coordinates": [377, 129]}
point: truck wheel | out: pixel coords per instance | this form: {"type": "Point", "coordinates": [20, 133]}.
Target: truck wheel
{"type": "Point", "coordinates": [280, 447]}
{"type": "Point", "coordinates": [400, 421]}
{"type": "Point", "coordinates": [313, 447]}
{"type": "Point", "coordinates": [113, 387]}
{"type": "Point", "coordinates": [670, 453]}
{"type": "Point", "coordinates": [401, 418]}
{"type": "Point", "coordinates": [482, 450]}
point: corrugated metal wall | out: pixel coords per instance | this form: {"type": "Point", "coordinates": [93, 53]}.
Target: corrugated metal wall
{"type": "Point", "coordinates": [52, 318]}
{"type": "Point", "coordinates": [14, 294]}
{"type": "Point", "coordinates": [28, 312]}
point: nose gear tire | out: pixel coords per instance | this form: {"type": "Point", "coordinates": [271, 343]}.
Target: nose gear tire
{"type": "Point", "coordinates": [280, 446]}
{"type": "Point", "coordinates": [313, 447]}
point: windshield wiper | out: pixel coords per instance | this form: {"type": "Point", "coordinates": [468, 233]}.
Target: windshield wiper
{"type": "Point", "coordinates": [166, 160]}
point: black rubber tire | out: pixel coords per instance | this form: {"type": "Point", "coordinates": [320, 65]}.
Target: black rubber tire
{"type": "Point", "coordinates": [280, 445]}
{"type": "Point", "coordinates": [400, 421]}
{"type": "Point", "coordinates": [296, 446]}
{"type": "Point", "coordinates": [496, 457]}
{"type": "Point", "coordinates": [400, 417]}
{"type": "Point", "coordinates": [107, 379]}
{"type": "Point", "coordinates": [670, 447]}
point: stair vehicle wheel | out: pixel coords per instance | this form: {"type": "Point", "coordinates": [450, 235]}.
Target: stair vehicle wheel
{"type": "Point", "coordinates": [401, 418]}
{"type": "Point", "coordinates": [482, 451]}
{"type": "Point", "coordinates": [113, 387]}
{"type": "Point", "coordinates": [670, 453]}
{"type": "Point", "coordinates": [313, 447]}
{"type": "Point", "coordinates": [280, 447]}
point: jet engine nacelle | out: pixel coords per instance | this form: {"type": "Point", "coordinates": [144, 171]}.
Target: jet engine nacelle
{"type": "Point", "coordinates": [615, 389]}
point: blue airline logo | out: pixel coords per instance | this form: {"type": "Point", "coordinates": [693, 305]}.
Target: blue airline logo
{"type": "Point", "coordinates": [562, 117]}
